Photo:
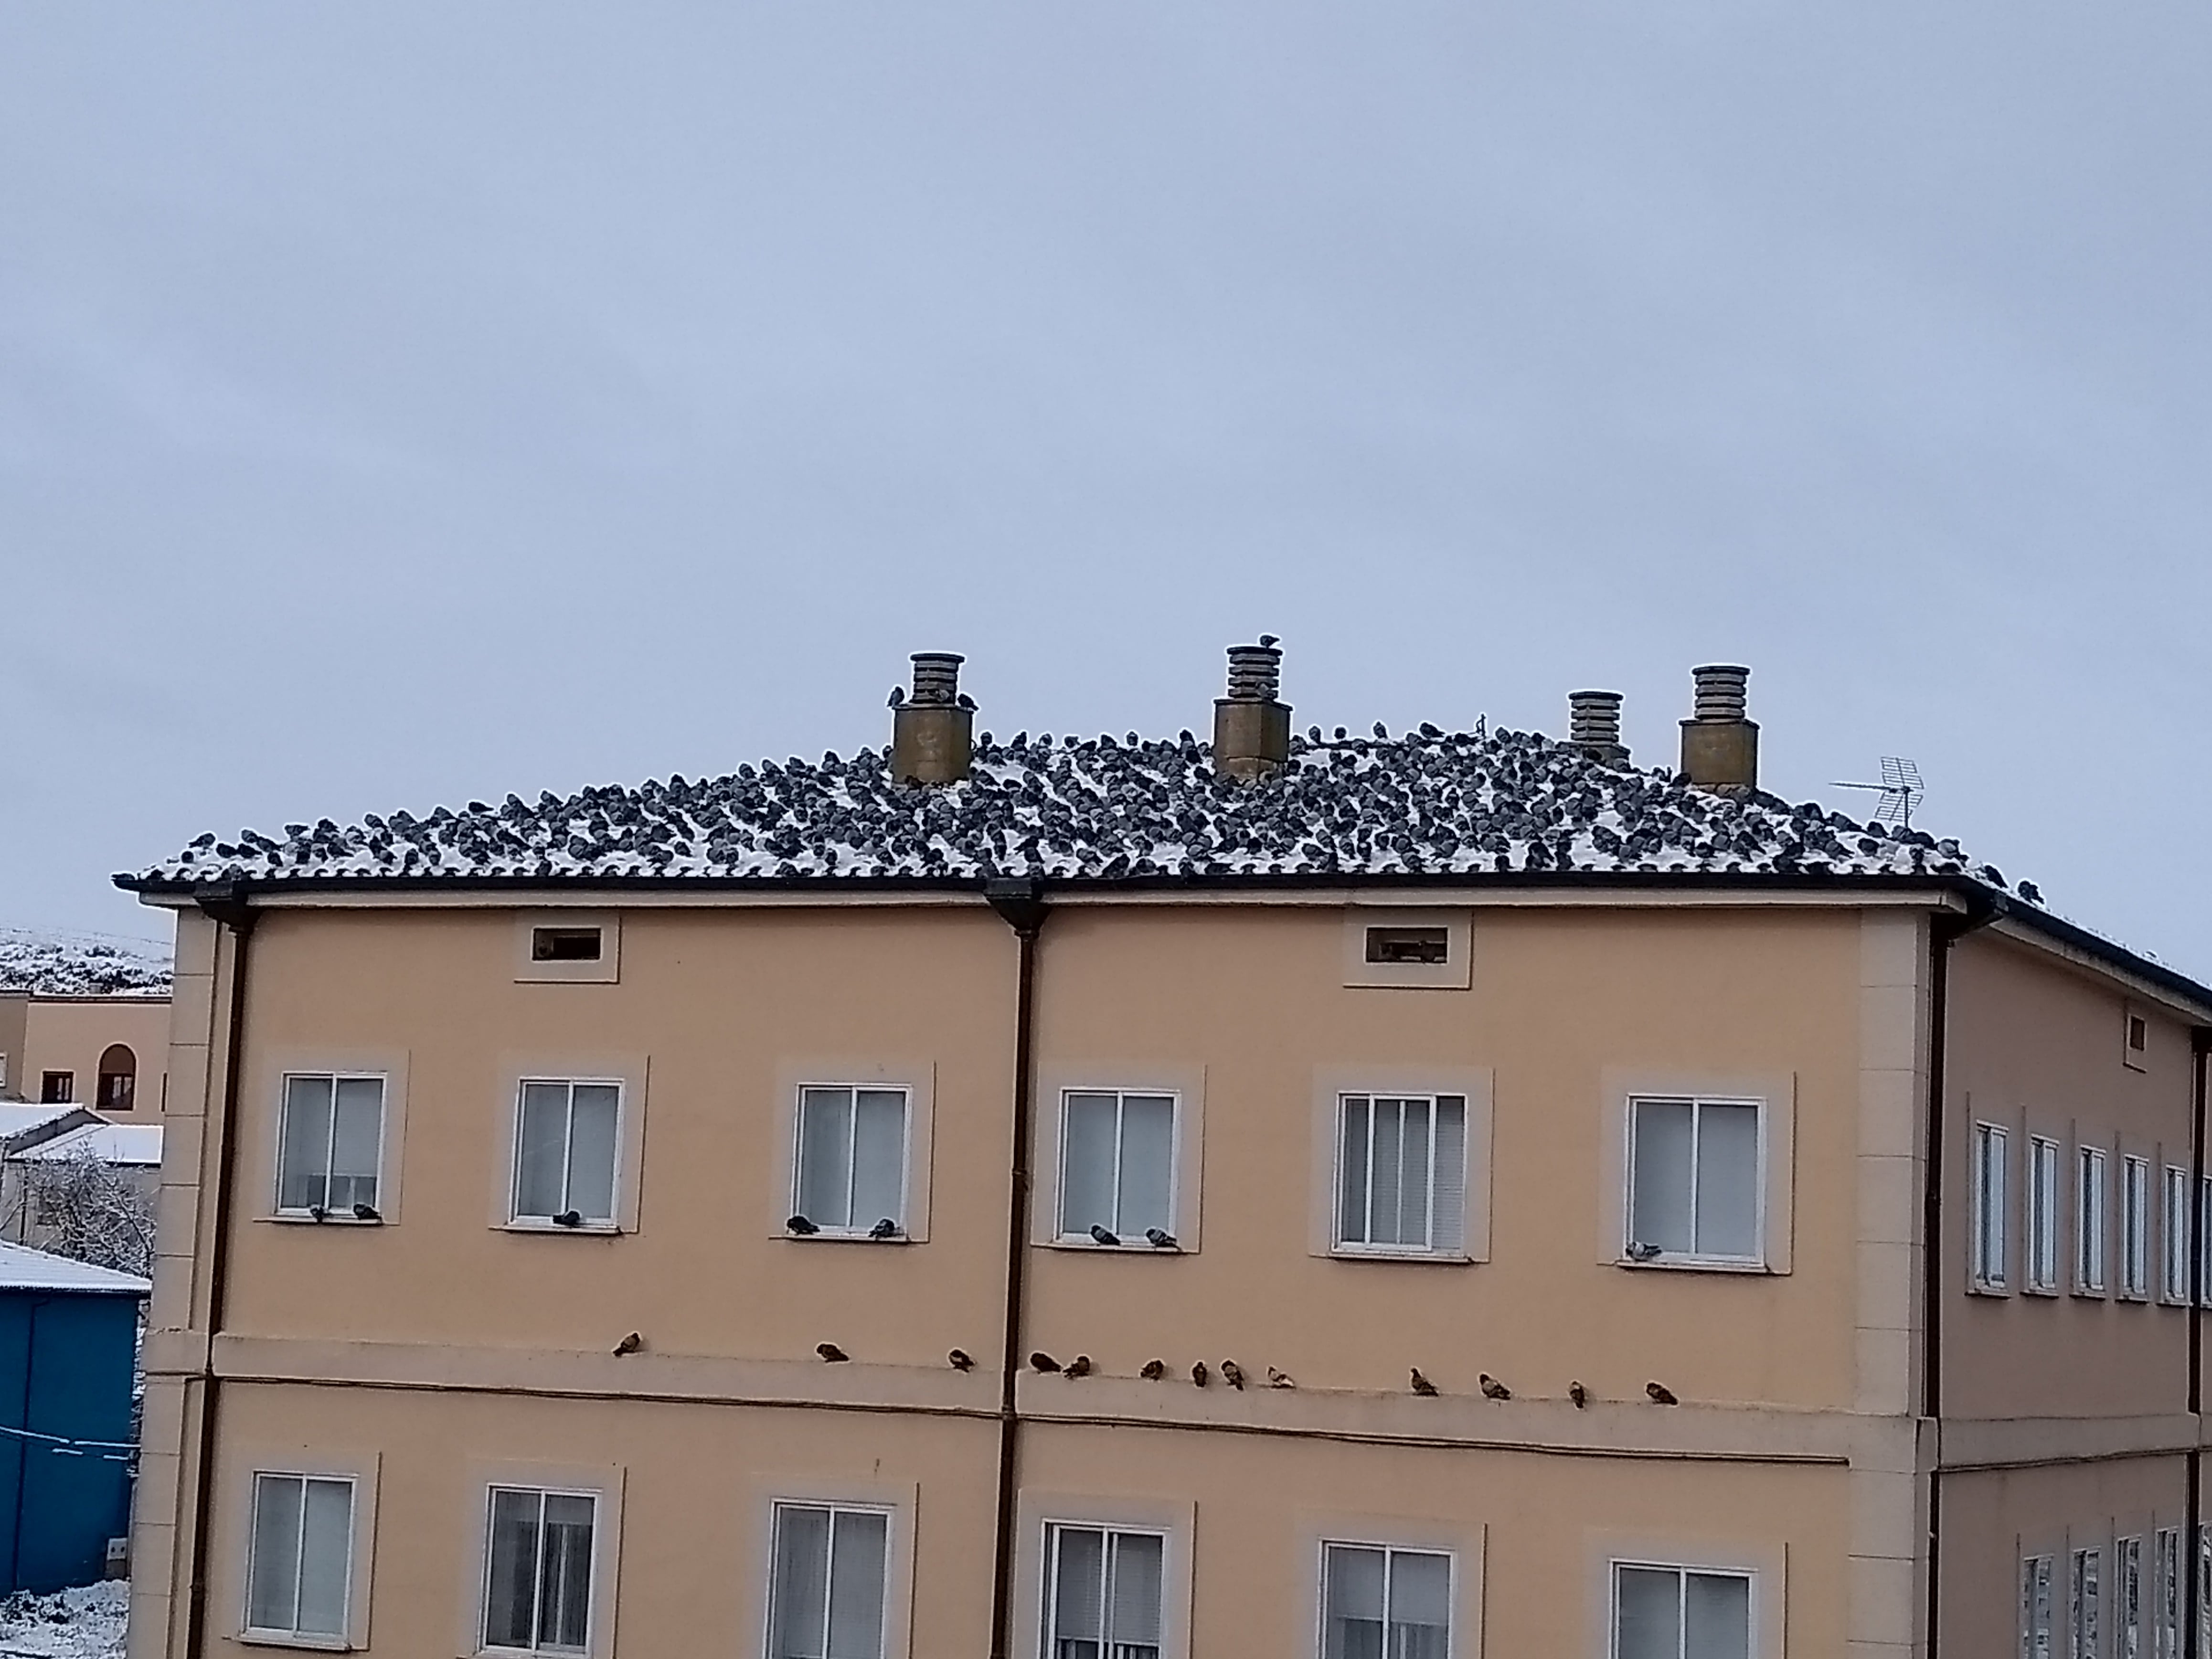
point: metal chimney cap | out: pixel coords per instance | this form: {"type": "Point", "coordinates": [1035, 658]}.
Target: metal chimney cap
{"type": "Point", "coordinates": [1721, 691]}
{"type": "Point", "coordinates": [936, 676]}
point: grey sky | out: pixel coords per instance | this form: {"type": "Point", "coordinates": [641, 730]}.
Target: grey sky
{"type": "Point", "coordinates": [409, 404]}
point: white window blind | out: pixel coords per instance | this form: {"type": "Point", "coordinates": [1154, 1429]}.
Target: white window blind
{"type": "Point", "coordinates": [1401, 1174]}
{"type": "Point", "coordinates": [2036, 1615]}
{"type": "Point", "coordinates": [565, 1138]}
{"type": "Point", "coordinates": [2089, 1224]}
{"type": "Point", "coordinates": [851, 1174]}
{"type": "Point", "coordinates": [1680, 1613]}
{"type": "Point", "coordinates": [831, 1572]}
{"type": "Point", "coordinates": [330, 1143]}
{"type": "Point", "coordinates": [1105, 1596]}
{"type": "Point", "coordinates": [2175, 1222]}
{"type": "Point", "coordinates": [300, 1557]}
{"type": "Point", "coordinates": [1694, 1186]}
{"type": "Point", "coordinates": [1116, 1164]}
{"type": "Point", "coordinates": [537, 1570]}
{"type": "Point", "coordinates": [2135, 1226]}
{"type": "Point", "coordinates": [1989, 1201]}
{"type": "Point", "coordinates": [2081, 1606]}
{"type": "Point", "coordinates": [1379, 1600]}
{"type": "Point", "coordinates": [2042, 1213]}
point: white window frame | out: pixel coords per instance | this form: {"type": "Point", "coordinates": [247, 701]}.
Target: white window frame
{"type": "Point", "coordinates": [1391, 1551]}
{"type": "Point", "coordinates": [1048, 1615]}
{"type": "Point", "coordinates": [2085, 1602]}
{"type": "Point", "coordinates": [855, 1231]}
{"type": "Point", "coordinates": [1753, 1611]}
{"type": "Point", "coordinates": [835, 1507]}
{"type": "Point", "coordinates": [2040, 1270]}
{"type": "Point", "coordinates": [383, 1081]}
{"type": "Point", "coordinates": [1989, 1243]}
{"type": "Point", "coordinates": [2167, 1594]}
{"type": "Point", "coordinates": [2039, 1608]}
{"type": "Point", "coordinates": [594, 1617]}
{"type": "Point", "coordinates": [1340, 1246]}
{"type": "Point", "coordinates": [2174, 1236]}
{"type": "Point", "coordinates": [1081, 1239]}
{"type": "Point", "coordinates": [2135, 1228]}
{"type": "Point", "coordinates": [1753, 1263]}
{"type": "Point", "coordinates": [276, 1636]}
{"type": "Point", "coordinates": [2204, 1253]}
{"type": "Point", "coordinates": [2129, 1603]}
{"type": "Point", "coordinates": [611, 1223]}
{"type": "Point", "coordinates": [2092, 1221]}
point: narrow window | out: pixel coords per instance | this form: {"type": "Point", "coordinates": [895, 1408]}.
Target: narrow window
{"type": "Point", "coordinates": [299, 1567]}
{"type": "Point", "coordinates": [852, 1160]}
{"type": "Point", "coordinates": [2089, 1222]}
{"type": "Point", "coordinates": [1694, 1185]}
{"type": "Point", "coordinates": [831, 1568]}
{"type": "Point", "coordinates": [2168, 1591]}
{"type": "Point", "coordinates": [1428, 946]}
{"type": "Point", "coordinates": [2128, 1582]}
{"type": "Point", "coordinates": [564, 1152]}
{"type": "Point", "coordinates": [118, 1079]}
{"type": "Point", "coordinates": [56, 1088]}
{"type": "Point", "coordinates": [2204, 1232]}
{"type": "Point", "coordinates": [2042, 1214]}
{"type": "Point", "coordinates": [2138, 1038]}
{"type": "Point", "coordinates": [1376, 1599]}
{"type": "Point", "coordinates": [1680, 1613]}
{"type": "Point", "coordinates": [564, 944]}
{"type": "Point", "coordinates": [2175, 1222]}
{"type": "Point", "coordinates": [330, 1143]}
{"type": "Point", "coordinates": [537, 1570]}
{"type": "Point", "coordinates": [2035, 1610]}
{"type": "Point", "coordinates": [1401, 1175]}
{"type": "Point", "coordinates": [1116, 1166]}
{"type": "Point", "coordinates": [1104, 1598]}
{"type": "Point", "coordinates": [2135, 1226]}
{"type": "Point", "coordinates": [1989, 1198]}
{"type": "Point", "coordinates": [2081, 1606]}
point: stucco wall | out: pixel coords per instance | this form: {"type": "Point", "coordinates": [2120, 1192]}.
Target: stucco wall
{"type": "Point", "coordinates": [69, 1034]}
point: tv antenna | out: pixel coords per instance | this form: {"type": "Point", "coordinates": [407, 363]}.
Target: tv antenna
{"type": "Point", "coordinates": [1900, 790]}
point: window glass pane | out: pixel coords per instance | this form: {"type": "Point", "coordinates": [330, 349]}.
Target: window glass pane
{"type": "Point", "coordinates": [511, 1587]}
{"type": "Point", "coordinates": [354, 1145]}
{"type": "Point", "coordinates": [1135, 1596]}
{"type": "Point", "coordinates": [564, 1596]}
{"type": "Point", "coordinates": [1449, 1233]}
{"type": "Point", "coordinates": [1385, 1170]}
{"type": "Point", "coordinates": [1147, 1155]}
{"type": "Point", "coordinates": [542, 1143]}
{"type": "Point", "coordinates": [592, 1150]}
{"type": "Point", "coordinates": [878, 1156]}
{"type": "Point", "coordinates": [1727, 1181]}
{"type": "Point", "coordinates": [1086, 1184]}
{"type": "Point", "coordinates": [325, 1547]}
{"type": "Point", "coordinates": [825, 1157]}
{"type": "Point", "coordinates": [1420, 1604]}
{"type": "Point", "coordinates": [273, 1583]}
{"type": "Point", "coordinates": [1351, 1173]}
{"type": "Point", "coordinates": [1413, 1174]}
{"type": "Point", "coordinates": [856, 1585]}
{"type": "Point", "coordinates": [1351, 1612]}
{"type": "Point", "coordinates": [1659, 1211]}
{"type": "Point", "coordinates": [306, 1140]}
{"type": "Point", "coordinates": [802, 1583]}
{"type": "Point", "coordinates": [1079, 1593]}
{"type": "Point", "coordinates": [1715, 1616]}
{"type": "Point", "coordinates": [1647, 1613]}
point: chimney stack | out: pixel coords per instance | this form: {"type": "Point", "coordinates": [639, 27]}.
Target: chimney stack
{"type": "Point", "coordinates": [1720, 747]}
{"type": "Point", "coordinates": [1252, 724]}
{"type": "Point", "coordinates": [933, 730]}
{"type": "Point", "coordinates": [1594, 725]}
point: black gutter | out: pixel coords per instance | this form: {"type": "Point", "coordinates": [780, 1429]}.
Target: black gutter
{"type": "Point", "coordinates": [226, 906]}
{"type": "Point", "coordinates": [1021, 905]}
{"type": "Point", "coordinates": [2200, 1050]}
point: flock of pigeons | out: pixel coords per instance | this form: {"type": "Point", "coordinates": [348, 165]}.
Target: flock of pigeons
{"type": "Point", "coordinates": [1426, 802]}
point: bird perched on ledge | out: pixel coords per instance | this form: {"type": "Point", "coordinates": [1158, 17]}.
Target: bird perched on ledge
{"type": "Point", "coordinates": [1199, 1373]}
{"type": "Point", "coordinates": [1660, 1394]}
{"type": "Point", "coordinates": [960, 1360]}
{"type": "Point", "coordinates": [1421, 1384]}
{"type": "Point", "coordinates": [630, 1344]}
{"type": "Point", "coordinates": [832, 1353]}
{"type": "Point", "coordinates": [1281, 1379]}
{"type": "Point", "coordinates": [1493, 1389]}
{"type": "Point", "coordinates": [1232, 1374]}
{"type": "Point", "coordinates": [1079, 1366]}
{"type": "Point", "coordinates": [1578, 1394]}
{"type": "Point", "coordinates": [1043, 1363]}
{"type": "Point", "coordinates": [1100, 1236]}
{"type": "Point", "coordinates": [1153, 1369]}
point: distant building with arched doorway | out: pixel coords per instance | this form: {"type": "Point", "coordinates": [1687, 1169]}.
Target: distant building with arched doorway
{"type": "Point", "coordinates": [83, 1023]}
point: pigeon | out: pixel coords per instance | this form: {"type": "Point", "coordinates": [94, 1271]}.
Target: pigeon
{"type": "Point", "coordinates": [1281, 1379]}
{"type": "Point", "coordinates": [899, 696]}
{"type": "Point", "coordinates": [1199, 1373]}
{"type": "Point", "coordinates": [966, 702]}
{"type": "Point", "coordinates": [1079, 1366]}
{"type": "Point", "coordinates": [1266, 641]}
{"type": "Point", "coordinates": [1160, 1238]}
{"type": "Point", "coordinates": [2031, 892]}
{"type": "Point", "coordinates": [832, 1353]}
{"type": "Point", "coordinates": [960, 1360]}
{"type": "Point", "coordinates": [1232, 1374]}
{"type": "Point", "coordinates": [1493, 1389]}
{"type": "Point", "coordinates": [317, 1211]}
{"type": "Point", "coordinates": [1100, 1236]}
{"type": "Point", "coordinates": [570, 1218]}
{"type": "Point", "coordinates": [630, 1343]}
{"type": "Point", "coordinates": [885, 1229]}
{"type": "Point", "coordinates": [1421, 1384]}
{"type": "Point", "coordinates": [1382, 732]}
{"type": "Point", "coordinates": [1579, 1395]}
{"type": "Point", "coordinates": [1642, 1252]}
{"type": "Point", "coordinates": [1043, 1363]}
{"type": "Point", "coordinates": [1153, 1369]}
{"type": "Point", "coordinates": [1660, 1394]}
{"type": "Point", "coordinates": [802, 1226]}
{"type": "Point", "coordinates": [366, 1212]}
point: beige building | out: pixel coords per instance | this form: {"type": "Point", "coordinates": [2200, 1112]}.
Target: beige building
{"type": "Point", "coordinates": [83, 1023]}
{"type": "Point", "coordinates": [1436, 1196]}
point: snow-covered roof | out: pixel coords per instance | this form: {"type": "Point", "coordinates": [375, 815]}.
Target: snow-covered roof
{"type": "Point", "coordinates": [81, 964]}
{"type": "Point", "coordinates": [111, 1143]}
{"type": "Point", "coordinates": [22, 1269]}
{"type": "Point", "coordinates": [17, 1115]}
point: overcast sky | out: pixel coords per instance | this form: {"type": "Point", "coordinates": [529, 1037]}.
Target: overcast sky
{"type": "Point", "coordinates": [405, 404]}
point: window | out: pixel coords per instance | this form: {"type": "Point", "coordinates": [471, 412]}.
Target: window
{"type": "Point", "coordinates": [2138, 1052]}
{"type": "Point", "coordinates": [1103, 1595]}
{"type": "Point", "coordinates": [537, 1570]}
{"type": "Point", "coordinates": [570, 947]}
{"type": "Point", "coordinates": [1116, 1166]}
{"type": "Point", "coordinates": [1694, 1180]}
{"type": "Point", "coordinates": [1415, 948]}
{"type": "Point", "coordinates": [564, 1152]}
{"type": "Point", "coordinates": [330, 1143]}
{"type": "Point", "coordinates": [2166, 1589]}
{"type": "Point", "coordinates": [2035, 1610]}
{"type": "Point", "coordinates": [2204, 1232]}
{"type": "Point", "coordinates": [56, 1088]}
{"type": "Point", "coordinates": [2042, 1214]}
{"type": "Point", "coordinates": [851, 1161]}
{"type": "Point", "coordinates": [1401, 1175]}
{"type": "Point", "coordinates": [2135, 1227]}
{"type": "Point", "coordinates": [830, 1574]}
{"type": "Point", "coordinates": [2175, 1236]}
{"type": "Point", "coordinates": [2127, 1575]}
{"type": "Point", "coordinates": [1988, 1206]}
{"type": "Point", "coordinates": [1425, 946]}
{"type": "Point", "coordinates": [1383, 1604]}
{"type": "Point", "coordinates": [1680, 1613]}
{"type": "Point", "coordinates": [298, 1572]}
{"type": "Point", "coordinates": [2081, 1606]}
{"type": "Point", "coordinates": [564, 943]}
{"type": "Point", "coordinates": [2089, 1222]}
{"type": "Point", "coordinates": [118, 1079]}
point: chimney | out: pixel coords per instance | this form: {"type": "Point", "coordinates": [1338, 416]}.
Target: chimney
{"type": "Point", "coordinates": [1252, 724]}
{"type": "Point", "coordinates": [933, 730]}
{"type": "Point", "coordinates": [1594, 725]}
{"type": "Point", "coordinates": [1720, 747]}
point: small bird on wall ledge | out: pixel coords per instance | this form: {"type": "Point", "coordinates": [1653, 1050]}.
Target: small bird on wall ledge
{"type": "Point", "coordinates": [1232, 1374]}
{"type": "Point", "coordinates": [1421, 1384]}
{"type": "Point", "coordinates": [1493, 1389]}
{"type": "Point", "coordinates": [1079, 1366]}
{"type": "Point", "coordinates": [630, 1344]}
{"type": "Point", "coordinates": [1043, 1363]}
{"type": "Point", "coordinates": [960, 1360]}
{"type": "Point", "coordinates": [1154, 1369]}
{"type": "Point", "coordinates": [1199, 1373]}
{"type": "Point", "coordinates": [832, 1353]}
{"type": "Point", "coordinates": [1579, 1395]}
{"type": "Point", "coordinates": [1660, 1394]}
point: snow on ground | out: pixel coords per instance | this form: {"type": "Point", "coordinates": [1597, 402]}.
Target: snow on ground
{"type": "Point", "coordinates": [71, 1623]}
{"type": "Point", "coordinates": [81, 964]}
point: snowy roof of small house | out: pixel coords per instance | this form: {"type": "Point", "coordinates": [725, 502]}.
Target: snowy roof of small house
{"type": "Point", "coordinates": [22, 1269]}
{"type": "Point", "coordinates": [18, 1116]}
{"type": "Point", "coordinates": [110, 1143]}
{"type": "Point", "coordinates": [81, 964]}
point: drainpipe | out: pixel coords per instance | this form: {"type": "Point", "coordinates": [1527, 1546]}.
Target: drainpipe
{"type": "Point", "coordinates": [229, 906]}
{"type": "Point", "coordinates": [2200, 1049]}
{"type": "Point", "coordinates": [1021, 905]}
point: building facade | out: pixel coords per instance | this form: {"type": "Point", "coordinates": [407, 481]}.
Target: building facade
{"type": "Point", "coordinates": [1442, 1196]}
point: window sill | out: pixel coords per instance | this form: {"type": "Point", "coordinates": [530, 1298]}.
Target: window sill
{"type": "Point", "coordinates": [2092, 1293]}
{"type": "Point", "coordinates": [1982, 1287]}
{"type": "Point", "coordinates": [277, 1638]}
{"type": "Point", "coordinates": [2048, 1292]}
{"type": "Point", "coordinates": [1696, 1264]}
{"type": "Point", "coordinates": [1138, 1247]}
{"type": "Point", "coordinates": [1420, 1258]}
{"type": "Point", "coordinates": [587, 1229]}
{"type": "Point", "coordinates": [825, 1236]}
{"type": "Point", "coordinates": [333, 1219]}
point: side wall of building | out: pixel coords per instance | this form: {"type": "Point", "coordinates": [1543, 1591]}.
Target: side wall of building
{"type": "Point", "coordinates": [71, 1033]}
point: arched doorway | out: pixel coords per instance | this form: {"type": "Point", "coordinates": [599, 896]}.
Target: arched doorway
{"type": "Point", "coordinates": [118, 1079]}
